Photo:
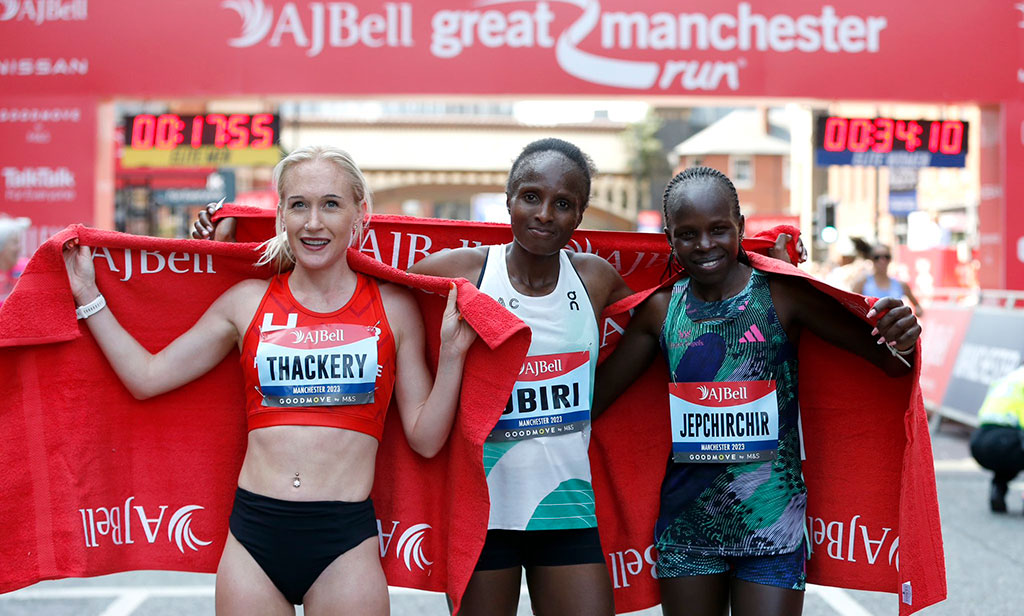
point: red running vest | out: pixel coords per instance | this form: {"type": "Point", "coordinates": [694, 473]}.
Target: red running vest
{"type": "Point", "coordinates": [305, 368]}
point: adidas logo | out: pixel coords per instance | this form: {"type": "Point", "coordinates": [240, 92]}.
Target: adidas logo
{"type": "Point", "coordinates": [753, 335]}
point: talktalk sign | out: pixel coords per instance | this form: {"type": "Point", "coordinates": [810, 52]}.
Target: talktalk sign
{"type": "Point", "coordinates": [47, 151]}
{"type": "Point", "coordinates": [867, 50]}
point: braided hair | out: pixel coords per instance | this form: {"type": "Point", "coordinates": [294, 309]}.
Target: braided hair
{"type": "Point", "coordinates": [702, 174]}
{"type": "Point", "coordinates": [551, 144]}
{"type": "Point", "coordinates": [693, 175]}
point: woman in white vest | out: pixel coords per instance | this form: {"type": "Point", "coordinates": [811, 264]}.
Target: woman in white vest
{"type": "Point", "coordinates": [538, 470]}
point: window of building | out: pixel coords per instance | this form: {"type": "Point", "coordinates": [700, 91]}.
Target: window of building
{"type": "Point", "coordinates": [741, 171]}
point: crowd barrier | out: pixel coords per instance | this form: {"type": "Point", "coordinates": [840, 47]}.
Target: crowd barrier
{"type": "Point", "coordinates": [970, 338]}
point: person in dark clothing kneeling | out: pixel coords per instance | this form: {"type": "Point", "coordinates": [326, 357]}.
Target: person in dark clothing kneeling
{"type": "Point", "coordinates": [998, 443]}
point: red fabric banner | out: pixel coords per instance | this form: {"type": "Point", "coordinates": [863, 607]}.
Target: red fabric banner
{"type": "Point", "coordinates": [802, 48]}
{"type": "Point", "coordinates": [106, 483]}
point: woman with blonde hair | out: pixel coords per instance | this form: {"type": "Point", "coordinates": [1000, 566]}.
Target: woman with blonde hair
{"type": "Point", "coordinates": [322, 350]}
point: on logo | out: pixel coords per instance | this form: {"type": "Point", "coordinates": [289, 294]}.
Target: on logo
{"type": "Point", "coordinates": [572, 301]}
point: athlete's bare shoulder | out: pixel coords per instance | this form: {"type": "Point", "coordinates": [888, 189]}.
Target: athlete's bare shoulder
{"type": "Point", "coordinates": [240, 302]}
{"type": "Point", "coordinates": [602, 280]}
{"type": "Point", "coordinates": [402, 311]}
{"type": "Point", "coordinates": [391, 292]}
{"type": "Point", "coordinates": [247, 290]}
{"type": "Point", "coordinates": [650, 315]}
{"type": "Point", "coordinates": [455, 263]}
{"type": "Point", "coordinates": [592, 267]}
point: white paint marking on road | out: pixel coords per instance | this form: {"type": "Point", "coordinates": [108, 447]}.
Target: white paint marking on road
{"type": "Point", "coordinates": [128, 598]}
{"type": "Point", "coordinates": [401, 591]}
{"type": "Point", "coordinates": [963, 464]}
{"type": "Point", "coordinates": [839, 600]}
{"type": "Point", "coordinates": [126, 604]}
{"type": "Point", "coordinates": [92, 592]}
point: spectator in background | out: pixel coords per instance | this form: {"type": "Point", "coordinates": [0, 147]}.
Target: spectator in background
{"type": "Point", "coordinates": [854, 263]}
{"type": "Point", "coordinates": [11, 230]}
{"type": "Point", "coordinates": [998, 444]}
{"type": "Point", "coordinates": [877, 282]}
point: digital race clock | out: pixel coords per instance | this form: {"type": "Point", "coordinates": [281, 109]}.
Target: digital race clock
{"type": "Point", "coordinates": [207, 140]}
{"type": "Point", "coordinates": [888, 142]}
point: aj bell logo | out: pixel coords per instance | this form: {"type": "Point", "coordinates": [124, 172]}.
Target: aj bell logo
{"type": "Point", "coordinates": [409, 548]}
{"type": "Point", "coordinates": [720, 394]}
{"type": "Point", "coordinates": [317, 336]}
{"type": "Point", "coordinates": [116, 523]}
{"type": "Point", "coordinates": [38, 11]}
{"type": "Point", "coordinates": [339, 24]}
{"type": "Point", "coordinates": [855, 541]}
{"type": "Point", "coordinates": [629, 563]}
{"type": "Point", "coordinates": [334, 24]}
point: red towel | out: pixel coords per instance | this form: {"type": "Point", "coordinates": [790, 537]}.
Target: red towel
{"type": "Point", "coordinates": [105, 483]}
{"type": "Point", "coordinates": [97, 482]}
{"type": "Point", "coordinates": [764, 240]}
{"type": "Point", "coordinates": [872, 508]}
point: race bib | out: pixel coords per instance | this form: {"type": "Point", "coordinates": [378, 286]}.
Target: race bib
{"type": "Point", "coordinates": [550, 397]}
{"type": "Point", "coordinates": [323, 365]}
{"type": "Point", "coordinates": [724, 422]}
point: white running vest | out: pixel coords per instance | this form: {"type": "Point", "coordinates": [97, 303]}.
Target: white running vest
{"type": "Point", "coordinates": [538, 470]}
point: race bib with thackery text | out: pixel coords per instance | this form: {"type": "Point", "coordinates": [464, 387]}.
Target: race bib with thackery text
{"type": "Point", "coordinates": [323, 365]}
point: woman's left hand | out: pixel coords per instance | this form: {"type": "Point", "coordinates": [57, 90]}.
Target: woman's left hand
{"type": "Point", "coordinates": [456, 334]}
{"type": "Point", "coordinates": [897, 326]}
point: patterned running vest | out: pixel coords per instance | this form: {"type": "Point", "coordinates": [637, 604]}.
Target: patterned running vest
{"type": "Point", "coordinates": [733, 509]}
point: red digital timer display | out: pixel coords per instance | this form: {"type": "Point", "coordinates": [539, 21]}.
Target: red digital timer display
{"type": "Point", "coordinates": [233, 131]}
{"type": "Point", "coordinates": [891, 142]}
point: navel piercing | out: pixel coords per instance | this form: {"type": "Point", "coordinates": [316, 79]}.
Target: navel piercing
{"type": "Point", "coordinates": [296, 482]}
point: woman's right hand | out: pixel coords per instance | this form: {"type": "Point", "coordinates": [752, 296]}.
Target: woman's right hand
{"type": "Point", "coordinates": [81, 273]}
{"type": "Point", "coordinates": [205, 229]}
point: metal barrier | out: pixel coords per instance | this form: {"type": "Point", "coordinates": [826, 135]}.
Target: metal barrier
{"type": "Point", "coordinates": [970, 339]}
{"type": "Point", "coordinates": [1009, 300]}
